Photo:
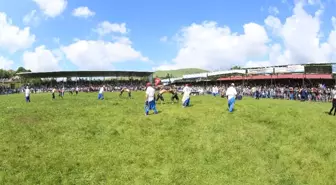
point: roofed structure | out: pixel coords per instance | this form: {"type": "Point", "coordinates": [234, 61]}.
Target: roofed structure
{"type": "Point", "coordinates": [60, 74]}
{"type": "Point", "coordinates": [281, 76]}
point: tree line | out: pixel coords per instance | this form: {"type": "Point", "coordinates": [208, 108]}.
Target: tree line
{"type": "Point", "coordinates": [11, 73]}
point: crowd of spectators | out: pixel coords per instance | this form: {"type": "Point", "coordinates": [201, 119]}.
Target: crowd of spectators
{"type": "Point", "coordinates": [83, 86]}
{"type": "Point", "coordinates": [316, 92]}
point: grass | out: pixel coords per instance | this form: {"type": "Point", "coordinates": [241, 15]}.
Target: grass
{"type": "Point", "coordinates": [178, 73]}
{"type": "Point", "coordinates": [80, 140]}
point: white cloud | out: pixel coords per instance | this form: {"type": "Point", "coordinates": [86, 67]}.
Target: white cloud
{"type": "Point", "coordinates": [164, 39]}
{"type": "Point", "coordinates": [59, 55]}
{"type": "Point", "coordinates": [31, 18]}
{"type": "Point", "coordinates": [101, 55]}
{"type": "Point", "coordinates": [301, 38]}
{"type": "Point", "coordinates": [56, 40]}
{"type": "Point", "coordinates": [332, 39]}
{"type": "Point", "coordinates": [274, 23]}
{"type": "Point", "coordinates": [314, 2]}
{"type": "Point", "coordinates": [257, 63]}
{"type": "Point", "coordinates": [83, 12]}
{"type": "Point", "coordinates": [106, 27]}
{"type": "Point", "coordinates": [333, 21]}
{"type": "Point", "coordinates": [273, 10]}
{"type": "Point", "coordinates": [5, 63]}
{"type": "Point", "coordinates": [12, 38]}
{"type": "Point", "coordinates": [295, 40]}
{"type": "Point", "coordinates": [52, 8]}
{"type": "Point", "coordinates": [210, 46]}
{"type": "Point", "coordinates": [122, 40]}
{"type": "Point", "coordinates": [40, 60]}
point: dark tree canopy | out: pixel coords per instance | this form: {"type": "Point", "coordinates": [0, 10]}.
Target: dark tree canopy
{"type": "Point", "coordinates": [22, 69]}
{"type": "Point", "coordinates": [235, 67]}
{"type": "Point", "coordinates": [10, 73]}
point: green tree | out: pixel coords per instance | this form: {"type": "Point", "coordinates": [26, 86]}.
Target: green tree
{"type": "Point", "coordinates": [22, 69]}
{"type": "Point", "coordinates": [36, 81]}
{"type": "Point", "coordinates": [235, 67]}
{"type": "Point", "coordinates": [6, 74]}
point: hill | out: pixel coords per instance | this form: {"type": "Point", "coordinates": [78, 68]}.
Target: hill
{"type": "Point", "coordinates": [178, 73]}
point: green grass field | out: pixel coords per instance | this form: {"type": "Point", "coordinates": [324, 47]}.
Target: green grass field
{"type": "Point", "coordinates": [80, 140]}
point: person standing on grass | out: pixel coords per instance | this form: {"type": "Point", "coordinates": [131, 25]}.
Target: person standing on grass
{"type": "Point", "coordinates": [174, 96]}
{"type": "Point", "coordinates": [63, 91]}
{"type": "Point", "coordinates": [125, 89]}
{"type": "Point", "coordinates": [186, 96]}
{"type": "Point", "coordinates": [333, 108]}
{"type": "Point", "coordinates": [150, 99]}
{"type": "Point", "coordinates": [160, 95]}
{"type": "Point", "coordinates": [231, 96]}
{"type": "Point", "coordinates": [27, 93]}
{"type": "Point", "coordinates": [257, 93]}
{"type": "Point", "coordinates": [60, 93]}
{"type": "Point", "coordinates": [77, 89]}
{"type": "Point", "coordinates": [53, 93]}
{"type": "Point", "coordinates": [214, 91]}
{"type": "Point", "coordinates": [101, 93]}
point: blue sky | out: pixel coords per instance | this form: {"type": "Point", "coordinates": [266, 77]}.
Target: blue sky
{"type": "Point", "coordinates": [165, 35]}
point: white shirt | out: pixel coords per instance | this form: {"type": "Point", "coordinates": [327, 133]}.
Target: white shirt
{"type": "Point", "coordinates": [215, 90]}
{"type": "Point", "coordinates": [101, 90]}
{"type": "Point", "coordinates": [77, 89]}
{"type": "Point", "coordinates": [27, 92]}
{"type": "Point", "coordinates": [150, 92]}
{"type": "Point", "coordinates": [231, 92]}
{"type": "Point", "coordinates": [186, 92]}
{"type": "Point", "coordinates": [334, 93]}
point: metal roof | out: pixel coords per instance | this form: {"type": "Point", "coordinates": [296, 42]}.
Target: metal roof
{"type": "Point", "coordinates": [282, 76]}
{"type": "Point", "coordinates": [58, 74]}
{"type": "Point", "coordinates": [303, 64]}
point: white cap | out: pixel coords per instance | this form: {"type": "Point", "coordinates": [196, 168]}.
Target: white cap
{"type": "Point", "coordinates": [232, 84]}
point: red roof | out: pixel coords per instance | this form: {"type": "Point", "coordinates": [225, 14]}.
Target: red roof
{"type": "Point", "coordinates": [280, 76]}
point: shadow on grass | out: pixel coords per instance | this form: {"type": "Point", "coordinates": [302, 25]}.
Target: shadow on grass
{"type": "Point", "coordinates": [234, 110]}
{"type": "Point", "coordinates": [328, 113]}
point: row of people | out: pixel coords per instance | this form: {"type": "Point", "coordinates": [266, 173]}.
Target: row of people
{"type": "Point", "coordinates": [229, 92]}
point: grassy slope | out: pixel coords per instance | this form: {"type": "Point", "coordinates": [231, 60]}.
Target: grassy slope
{"type": "Point", "coordinates": [80, 140]}
{"type": "Point", "coordinates": [178, 73]}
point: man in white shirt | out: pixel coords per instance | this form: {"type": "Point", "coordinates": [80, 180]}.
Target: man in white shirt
{"type": "Point", "coordinates": [77, 89]}
{"type": "Point", "coordinates": [333, 108]}
{"type": "Point", "coordinates": [53, 93]}
{"type": "Point", "coordinates": [62, 91]}
{"type": "Point", "coordinates": [27, 93]}
{"type": "Point", "coordinates": [150, 99]}
{"type": "Point", "coordinates": [231, 96]}
{"type": "Point", "coordinates": [214, 91]}
{"type": "Point", "coordinates": [101, 93]}
{"type": "Point", "coordinates": [186, 96]}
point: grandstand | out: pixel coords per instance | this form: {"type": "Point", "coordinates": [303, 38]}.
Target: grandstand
{"type": "Point", "coordinates": [305, 73]}
{"type": "Point", "coordinates": [79, 74]}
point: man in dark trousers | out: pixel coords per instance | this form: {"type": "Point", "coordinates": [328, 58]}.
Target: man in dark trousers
{"type": "Point", "coordinates": [333, 108]}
